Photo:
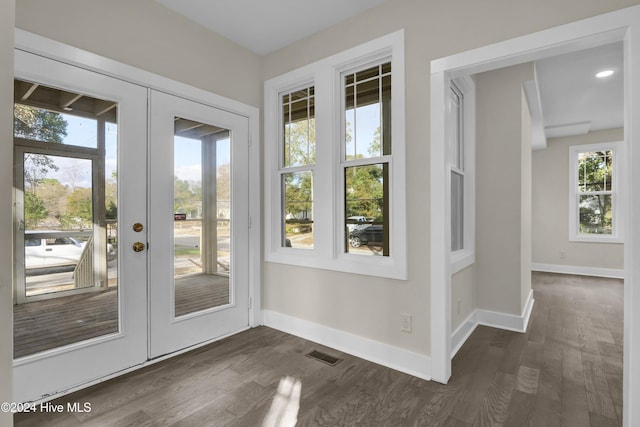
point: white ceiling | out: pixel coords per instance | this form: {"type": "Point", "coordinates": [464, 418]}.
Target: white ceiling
{"type": "Point", "coordinates": [573, 100]}
{"type": "Point", "coordinates": [264, 26]}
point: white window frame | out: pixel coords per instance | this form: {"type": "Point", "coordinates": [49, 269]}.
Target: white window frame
{"type": "Point", "coordinates": [465, 257]}
{"type": "Point", "coordinates": [328, 193]}
{"type": "Point", "coordinates": [617, 231]}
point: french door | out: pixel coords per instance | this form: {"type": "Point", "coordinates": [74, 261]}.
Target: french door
{"type": "Point", "coordinates": [129, 218]}
{"type": "Point", "coordinates": [76, 134]}
{"type": "Point", "coordinates": [198, 222]}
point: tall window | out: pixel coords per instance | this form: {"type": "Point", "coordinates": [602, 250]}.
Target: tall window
{"type": "Point", "coordinates": [366, 157]}
{"type": "Point", "coordinates": [298, 154]}
{"type": "Point", "coordinates": [460, 143]}
{"type": "Point", "coordinates": [456, 163]}
{"type": "Point", "coordinates": [594, 192]}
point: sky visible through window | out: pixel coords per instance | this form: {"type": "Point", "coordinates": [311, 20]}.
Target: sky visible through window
{"type": "Point", "coordinates": [83, 133]}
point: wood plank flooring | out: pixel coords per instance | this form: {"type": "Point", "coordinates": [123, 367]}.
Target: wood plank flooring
{"type": "Point", "coordinates": [565, 371]}
{"type": "Point", "coordinates": [47, 324]}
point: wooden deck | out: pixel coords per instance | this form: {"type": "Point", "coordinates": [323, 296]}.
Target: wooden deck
{"type": "Point", "coordinates": [43, 325]}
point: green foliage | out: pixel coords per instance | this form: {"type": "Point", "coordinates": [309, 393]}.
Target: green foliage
{"type": "Point", "coordinates": [300, 141]}
{"type": "Point", "coordinates": [80, 207]}
{"type": "Point", "coordinates": [364, 191]}
{"type": "Point", "coordinates": [41, 125]}
{"type": "Point", "coordinates": [595, 173]}
{"type": "Point", "coordinates": [298, 195]}
{"type": "Point", "coordinates": [37, 124]}
{"type": "Point", "coordinates": [185, 198]}
{"type": "Point", "coordinates": [34, 210]}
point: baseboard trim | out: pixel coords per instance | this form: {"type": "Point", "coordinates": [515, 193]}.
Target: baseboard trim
{"type": "Point", "coordinates": [463, 332]}
{"type": "Point", "coordinates": [509, 322]}
{"type": "Point", "coordinates": [402, 360]}
{"type": "Point", "coordinates": [581, 271]}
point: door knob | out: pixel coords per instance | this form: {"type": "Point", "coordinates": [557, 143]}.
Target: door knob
{"type": "Point", "coordinates": [138, 247]}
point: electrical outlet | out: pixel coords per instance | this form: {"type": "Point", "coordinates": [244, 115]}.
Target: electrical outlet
{"type": "Point", "coordinates": [458, 306]}
{"type": "Point", "coordinates": [405, 322]}
{"type": "Point", "coordinates": [563, 254]}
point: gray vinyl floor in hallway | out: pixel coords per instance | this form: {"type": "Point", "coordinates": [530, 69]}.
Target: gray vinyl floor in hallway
{"type": "Point", "coordinates": [565, 371]}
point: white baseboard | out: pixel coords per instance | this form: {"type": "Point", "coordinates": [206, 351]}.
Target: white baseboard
{"type": "Point", "coordinates": [387, 355]}
{"type": "Point", "coordinates": [463, 332]}
{"type": "Point", "coordinates": [493, 319]}
{"type": "Point", "coordinates": [582, 271]}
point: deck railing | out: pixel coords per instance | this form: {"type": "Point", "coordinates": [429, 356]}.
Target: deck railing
{"type": "Point", "coordinates": [84, 273]}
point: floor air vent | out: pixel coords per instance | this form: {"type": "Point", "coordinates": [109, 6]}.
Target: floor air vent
{"type": "Point", "coordinates": [324, 358]}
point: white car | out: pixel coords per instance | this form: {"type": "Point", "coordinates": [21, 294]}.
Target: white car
{"type": "Point", "coordinates": [54, 251]}
{"type": "Point", "coordinates": [355, 222]}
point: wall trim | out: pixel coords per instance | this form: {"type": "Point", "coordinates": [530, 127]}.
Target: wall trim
{"type": "Point", "coordinates": [493, 319]}
{"type": "Point", "coordinates": [402, 360]}
{"type": "Point", "coordinates": [612, 273]}
{"type": "Point", "coordinates": [463, 332]}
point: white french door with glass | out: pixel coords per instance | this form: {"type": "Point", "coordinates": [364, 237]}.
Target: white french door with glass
{"type": "Point", "coordinates": [131, 225]}
{"type": "Point", "coordinates": [81, 290]}
{"type": "Point", "coordinates": [198, 222]}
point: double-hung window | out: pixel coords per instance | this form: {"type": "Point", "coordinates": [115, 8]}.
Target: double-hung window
{"type": "Point", "coordinates": [594, 204]}
{"type": "Point", "coordinates": [298, 153]}
{"type": "Point", "coordinates": [461, 160]}
{"type": "Point", "coordinates": [366, 159]}
{"type": "Point", "coordinates": [339, 204]}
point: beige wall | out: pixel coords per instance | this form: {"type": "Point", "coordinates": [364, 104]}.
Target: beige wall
{"type": "Point", "coordinates": [6, 212]}
{"type": "Point", "coordinates": [551, 243]}
{"type": "Point", "coordinates": [368, 306]}
{"type": "Point", "coordinates": [500, 188]}
{"type": "Point", "coordinates": [149, 36]}
{"type": "Point", "coordinates": [463, 296]}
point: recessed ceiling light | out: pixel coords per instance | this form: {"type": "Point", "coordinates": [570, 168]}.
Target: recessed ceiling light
{"type": "Point", "coordinates": [605, 73]}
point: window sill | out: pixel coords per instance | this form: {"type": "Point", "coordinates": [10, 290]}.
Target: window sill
{"type": "Point", "coordinates": [375, 266]}
{"type": "Point", "coordinates": [462, 259]}
{"type": "Point", "coordinates": [596, 239]}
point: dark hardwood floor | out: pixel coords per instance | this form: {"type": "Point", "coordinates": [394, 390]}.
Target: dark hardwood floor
{"type": "Point", "coordinates": [565, 371]}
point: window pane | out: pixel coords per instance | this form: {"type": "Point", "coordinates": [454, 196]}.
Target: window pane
{"type": "Point", "coordinates": [457, 211]}
{"type": "Point", "coordinates": [454, 131]}
{"type": "Point", "coordinates": [595, 171]}
{"type": "Point", "coordinates": [367, 206]}
{"type": "Point", "coordinates": [298, 209]}
{"type": "Point", "coordinates": [368, 113]}
{"type": "Point", "coordinates": [595, 214]}
{"type": "Point", "coordinates": [202, 225]}
{"type": "Point", "coordinates": [66, 200]}
{"type": "Point", "coordinates": [299, 136]}
{"type": "Point", "coordinates": [69, 118]}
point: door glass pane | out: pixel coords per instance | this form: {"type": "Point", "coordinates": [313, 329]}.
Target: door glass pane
{"type": "Point", "coordinates": [66, 208]}
{"type": "Point", "coordinates": [202, 216]}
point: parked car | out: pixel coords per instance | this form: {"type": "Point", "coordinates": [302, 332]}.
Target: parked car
{"type": "Point", "coordinates": [55, 251]}
{"type": "Point", "coordinates": [357, 221]}
{"type": "Point", "coordinates": [366, 235]}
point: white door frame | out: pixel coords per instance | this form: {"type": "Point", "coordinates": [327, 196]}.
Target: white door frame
{"type": "Point", "coordinates": [622, 25]}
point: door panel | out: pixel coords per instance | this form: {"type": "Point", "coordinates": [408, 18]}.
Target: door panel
{"type": "Point", "coordinates": [198, 286]}
{"type": "Point", "coordinates": [78, 98]}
